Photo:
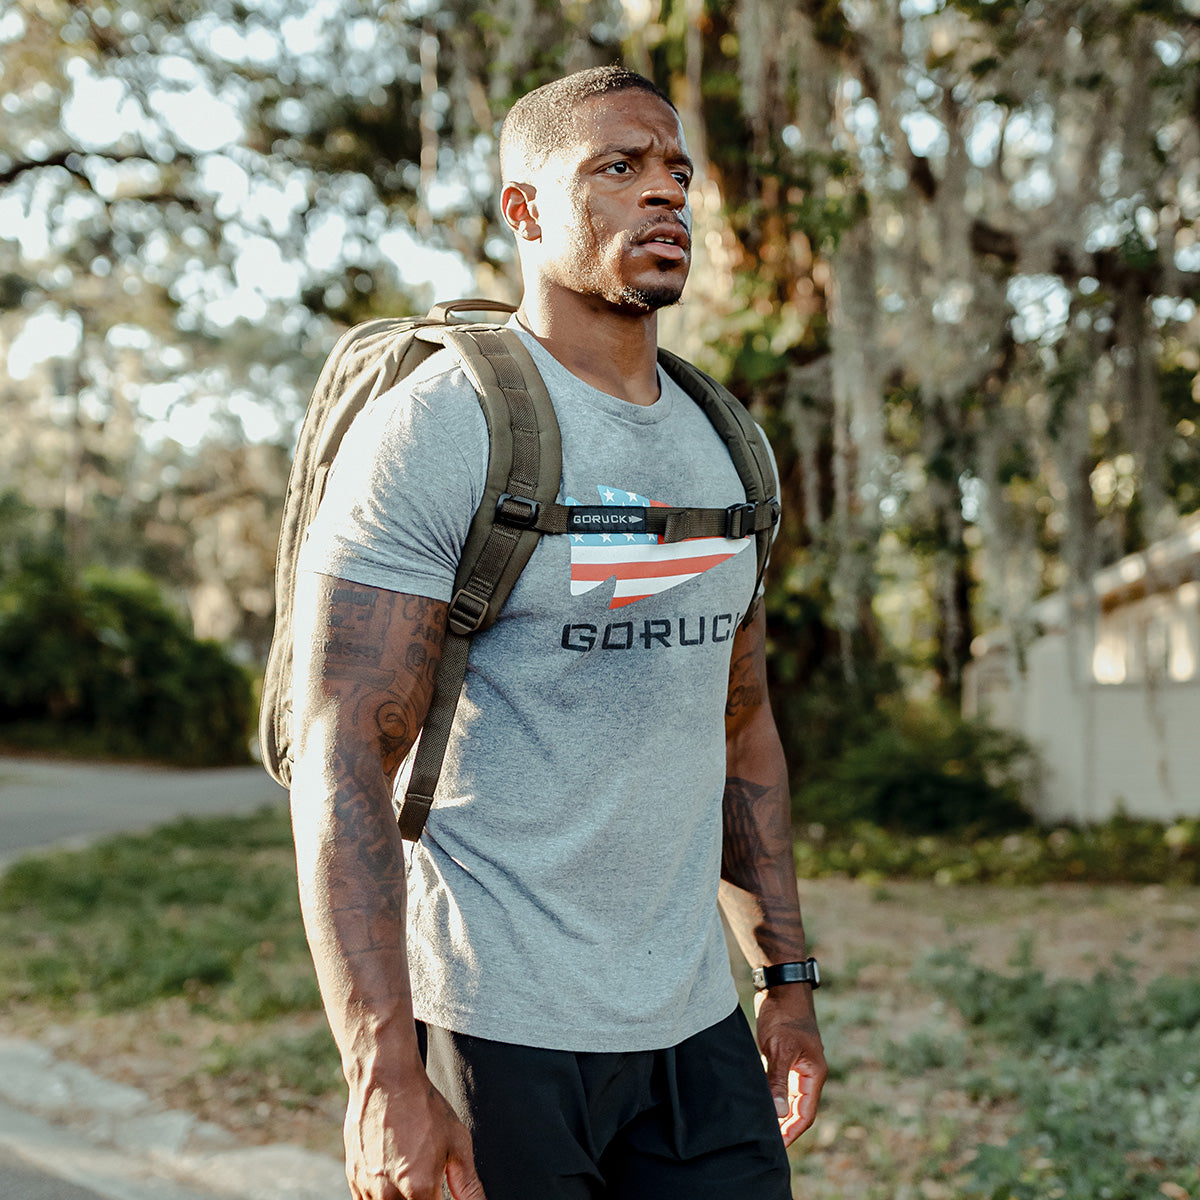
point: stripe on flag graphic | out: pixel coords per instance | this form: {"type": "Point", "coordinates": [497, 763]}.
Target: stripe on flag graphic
{"type": "Point", "coordinates": [641, 563]}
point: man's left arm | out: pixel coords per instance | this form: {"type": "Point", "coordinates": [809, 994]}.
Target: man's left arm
{"type": "Point", "coordinates": [758, 883]}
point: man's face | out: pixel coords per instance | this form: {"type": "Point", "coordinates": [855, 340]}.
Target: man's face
{"type": "Point", "coordinates": [612, 204]}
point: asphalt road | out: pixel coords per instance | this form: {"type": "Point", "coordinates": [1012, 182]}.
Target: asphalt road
{"type": "Point", "coordinates": [21, 1179]}
{"type": "Point", "coordinates": [44, 803]}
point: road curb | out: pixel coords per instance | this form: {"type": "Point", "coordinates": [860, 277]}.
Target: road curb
{"type": "Point", "coordinates": [75, 1123]}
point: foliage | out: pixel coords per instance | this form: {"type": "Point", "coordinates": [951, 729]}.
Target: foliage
{"type": "Point", "coordinates": [1105, 1076]}
{"type": "Point", "coordinates": [105, 663]}
{"type": "Point", "coordinates": [1119, 851]}
{"type": "Point", "coordinates": [821, 708]}
{"type": "Point", "coordinates": [924, 769]}
{"type": "Point", "coordinates": [20, 537]}
{"type": "Point", "coordinates": [949, 259]}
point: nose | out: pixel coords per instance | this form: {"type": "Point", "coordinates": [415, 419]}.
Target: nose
{"type": "Point", "coordinates": [663, 190]}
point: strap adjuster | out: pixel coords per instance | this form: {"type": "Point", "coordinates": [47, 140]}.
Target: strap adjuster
{"type": "Point", "coordinates": [466, 613]}
{"type": "Point", "coordinates": [521, 519]}
{"type": "Point", "coordinates": [739, 520]}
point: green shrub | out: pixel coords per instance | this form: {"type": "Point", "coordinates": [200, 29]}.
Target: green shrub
{"type": "Point", "coordinates": [1026, 1010]}
{"type": "Point", "coordinates": [1119, 851]}
{"type": "Point", "coordinates": [822, 706]}
{"type": "Point", "coordinates": [926, 771]}
{"type": "Point", "coordinates": [1104, 1076]}
{"type": "Point", "coordinates": [106, 663]}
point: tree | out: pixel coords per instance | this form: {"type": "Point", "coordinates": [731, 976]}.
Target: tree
{"type": "Point", "coordinates": [968, 229]}
{"type": "Point", "coordinates": [202, 267]}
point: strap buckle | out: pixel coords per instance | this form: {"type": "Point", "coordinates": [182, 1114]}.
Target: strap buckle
{"type": "Point", "coordinates": [526, 519]}
{"type": "Point", "coordinates": [739, 520]}
{"type": "Point", "coordinates": [466, 613]}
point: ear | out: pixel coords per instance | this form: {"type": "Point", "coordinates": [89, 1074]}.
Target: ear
{"type": "Point", "coordinates": [518, 203]}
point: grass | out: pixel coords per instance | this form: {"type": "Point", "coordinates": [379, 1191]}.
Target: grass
{"type": "Point", "coordinates": [1019, 1088]}
{"type": "Point", "coordinates": [951, 1077]}
{"type": "Point", "coordinates": [1103, 1073]}
{"type": "Point", "coordinates": [205, 909]}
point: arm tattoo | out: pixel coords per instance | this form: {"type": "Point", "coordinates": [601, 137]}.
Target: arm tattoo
{"type": "Point", "coordinates": [758, 879]}
{"type": "Point", "coordinates": [746, 689]}
{"type": "Point", "coordinates": [742, 847]}
{"type": "Point", "coordinates": [381, 654]}
{"type": "Point", "coordinates": [755, 847]}
{"type": "Point", "coordinates": [376, 662]}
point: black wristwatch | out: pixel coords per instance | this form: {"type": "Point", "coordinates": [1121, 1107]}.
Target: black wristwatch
{"type": "Point", "coordinates": [793, 972]}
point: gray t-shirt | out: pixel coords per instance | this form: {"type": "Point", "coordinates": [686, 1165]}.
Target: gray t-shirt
{"type": "Point", "coordinates": [564, 893]}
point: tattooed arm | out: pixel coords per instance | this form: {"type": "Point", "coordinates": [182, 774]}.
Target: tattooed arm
{"type": "Point", "coordinates": [365, 664]}
{"type": "Point", "coordinates": [758, 884]}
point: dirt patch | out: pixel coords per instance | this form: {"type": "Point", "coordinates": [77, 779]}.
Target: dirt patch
{"type": "Point", "coordinates": [886, 1131]}
{"type": "Point", "coordinates": [860, 930]}
{"type": "Point", "coordinates": [168, 1051]}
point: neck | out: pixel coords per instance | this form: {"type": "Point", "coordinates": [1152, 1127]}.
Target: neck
{"type": "Point", "coordinates": [614, 351]}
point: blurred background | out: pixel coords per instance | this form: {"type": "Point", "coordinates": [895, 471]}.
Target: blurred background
{"type": "Point", "coordinates": [946, 252]}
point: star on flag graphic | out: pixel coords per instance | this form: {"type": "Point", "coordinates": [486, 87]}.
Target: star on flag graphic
{"type": "Point", "coordinates": [641, 563]}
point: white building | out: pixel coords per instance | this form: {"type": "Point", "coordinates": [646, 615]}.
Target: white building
{"type": "Point", "coordinates": [1110, 694]}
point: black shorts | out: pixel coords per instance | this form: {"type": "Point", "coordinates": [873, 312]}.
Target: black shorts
{"type": "Point", "coordinates": [692, 1122]}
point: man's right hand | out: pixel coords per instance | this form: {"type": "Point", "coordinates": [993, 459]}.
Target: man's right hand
{"type": "Point", "coordinates": [402, 1142]}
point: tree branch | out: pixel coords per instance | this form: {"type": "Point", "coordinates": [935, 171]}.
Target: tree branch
{"type": "Point", "coordinates": [71, 161]}
{"type": "Point", "coordinates": [1112, 268]}
{"type": "Point", "coordinates": [62, 158]}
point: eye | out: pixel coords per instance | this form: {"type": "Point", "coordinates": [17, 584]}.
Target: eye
{"type": "Point", "coordinates": [620, 167]}
{"type": "Point", "coordinates": [685, 180]}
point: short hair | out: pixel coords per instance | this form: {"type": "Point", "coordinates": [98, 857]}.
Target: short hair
{"type": "Point", "coordinates": [539, 123]}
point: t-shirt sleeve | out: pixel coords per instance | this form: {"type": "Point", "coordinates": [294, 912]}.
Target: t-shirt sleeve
{"type": "Point", "coordinates": [403, 490]}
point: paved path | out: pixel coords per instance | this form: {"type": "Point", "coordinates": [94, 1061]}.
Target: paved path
{"type": "Point", "coordinates": [46, 803]}
{"type": "Point", "coordinates": [67, 1133]}
{"type": "Point", "coordinates": [81, 1171]}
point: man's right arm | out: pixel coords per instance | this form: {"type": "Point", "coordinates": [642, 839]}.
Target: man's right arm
{"type": "Point", "coordinates": [365, 662]}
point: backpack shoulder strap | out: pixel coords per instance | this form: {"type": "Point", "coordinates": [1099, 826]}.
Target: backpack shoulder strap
{"type": "Point", "coordinates": [746, 445]}
{"type": "Point", "coordinates": [524, 472]}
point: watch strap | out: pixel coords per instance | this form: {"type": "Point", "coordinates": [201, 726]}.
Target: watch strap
{"type": "Point", "coordinates": [789, 972]}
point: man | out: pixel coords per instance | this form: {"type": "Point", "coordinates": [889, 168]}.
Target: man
{"type": "Point", "coordinates": [534, 1001]}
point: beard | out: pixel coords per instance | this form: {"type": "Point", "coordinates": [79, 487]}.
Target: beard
{"type": "Point", "coordinates": [585, 271]}
{"type": "Point", "coordinates": [649, 299]}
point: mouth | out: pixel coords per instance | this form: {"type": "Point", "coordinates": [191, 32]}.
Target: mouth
{"type": "Point", "coordinates": [669, 241]}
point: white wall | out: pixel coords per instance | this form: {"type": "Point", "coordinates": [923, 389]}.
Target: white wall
{"type": "Point", "coordinates": [1106, 747]}
{"type": "Point", "coordinates": [1148, 749]}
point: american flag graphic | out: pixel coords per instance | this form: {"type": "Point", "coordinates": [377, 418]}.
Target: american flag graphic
{"type": "Point", "coordinates": [641, 563]}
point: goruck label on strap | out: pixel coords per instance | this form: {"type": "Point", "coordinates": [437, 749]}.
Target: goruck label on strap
{"type": "Point", "coordinates": [583, 518]}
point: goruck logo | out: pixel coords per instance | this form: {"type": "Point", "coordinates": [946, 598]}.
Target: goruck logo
{"type": "Point", "coordinates": [614, 545]}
